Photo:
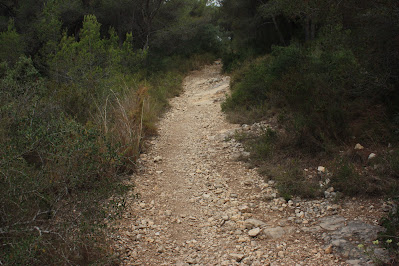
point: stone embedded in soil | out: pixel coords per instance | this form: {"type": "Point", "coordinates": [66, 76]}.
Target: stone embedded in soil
{"type": "Point", "coordinates": [332, 222]}
{"type": "Point", "coordinates": [157, 159]}
{"type": "Point", "coordinates": [354, 262]}
{"type": "Point", "coordinates": [254, 232]}
{"type": "Point", "coordinates": [329, 249]}
{"type": "Point", "coordinates": [251, 223]}
{"type": "Point", "coordinates": [237, 256]}
{"type": "Point", "coordinates": [277, 232]}
{"type": "Point", "coordinates": [244, 208]}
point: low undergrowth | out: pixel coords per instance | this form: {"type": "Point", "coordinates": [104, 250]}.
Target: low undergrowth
{"type": "Point", "coordinates": [293, 182]}
{"type": "Point", "coordinates": [315, 99]}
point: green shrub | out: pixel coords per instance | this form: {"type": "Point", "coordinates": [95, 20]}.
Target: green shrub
{"type": "Point", "coordinates": [49, 163]}
{"type": "Point", "coordinates": [11, 44]}
{"type": "Point", "coordinates": [347, 180]}
{"type": "Point", "coordinates": [263, 146]}
{"type": "Point", "coordinates": [256, 83]}
{"type": "Point", "coordinates": [231, 61]}
{"type": "Point", "coordinates": [86, 70]}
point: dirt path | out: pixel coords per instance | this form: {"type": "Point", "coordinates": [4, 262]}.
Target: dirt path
{"type": "Point", "coordinates": [200, 206]}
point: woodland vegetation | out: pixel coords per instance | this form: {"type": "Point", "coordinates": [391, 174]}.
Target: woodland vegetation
{"type": "Point", "coordinates": [82, 83]}
{"type": "Point", "coordinates": [326, 70]}
{"type": "Point", "coordinates": [326, 75]}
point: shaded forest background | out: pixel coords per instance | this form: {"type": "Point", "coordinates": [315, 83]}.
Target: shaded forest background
{"type": "Point", "coordinates": [84, 81]}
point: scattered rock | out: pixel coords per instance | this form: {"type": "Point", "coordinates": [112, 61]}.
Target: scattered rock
{"type": "Point", "coordinates": [330, 189]}
{"type": "Point", "coordinates": [359, 147]}
{"type": "Point", "coordinates": [157, 159]}
{"type": "Point", "coordinates": [338, 242]}
{"type": "Point", "coordinates": [245, 154]}
{"type": "Point", "coordinates": [361, 230]}
{"type": "Point", "coordinates": [246, 127]}
{"type": "Point", "coordinates": [191, 260]}
{"type": "Point", "coordinates": [225, 217]}
{"type": "Point", "coordinates": [251, 223]}
{"type": "Point", "coordinates": [248, 183]}
{"type": "Point", "coordinates": [182, 264]}
{"type": "Point", "coordinates": [372, 156]}
{"type": "Point", "coordinates": [277, 232]}
{"type": "Point", "coordinates": [254, 232]}
{"type": "Point", "coordinates": [332, 222]}
{"type": "Point", "coordinates": [354, 262]}
{"type": "Point", "coordinates": [244, 208]}
{"type": "Point", "coordinates": [329, 249]}
{"type": "Point", "coordinates": [236, 256]}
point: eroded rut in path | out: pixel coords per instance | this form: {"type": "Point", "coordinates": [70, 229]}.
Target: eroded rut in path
{"type": "Point", "coordinates": [200, 206]}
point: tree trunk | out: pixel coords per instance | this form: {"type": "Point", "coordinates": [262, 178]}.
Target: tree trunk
{"type": "Point", "coordinates": [147, 41]}
{"type": "Point", "coordinates": [312, 30]}
{"type": "Point", "coordinates": [149, 14]}
{"type": "Point", "coordinates": [307, 29]}
{"type": "Point", "coordinates": [280, 35]}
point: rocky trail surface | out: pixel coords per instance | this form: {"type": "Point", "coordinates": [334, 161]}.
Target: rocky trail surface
{"type": "Point", "coordinates": [199, 205]}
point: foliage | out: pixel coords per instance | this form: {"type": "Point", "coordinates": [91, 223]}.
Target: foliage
{"type": "Point", "coordinates": [290, 79]}
{"type": "Point", "coordinates": [333, 79]}
{"type": "Point", "coordinates": [347, 180]}
{"type": "Point", "coordinates": [85, 70]}
{"type": "Point", "coordinates": [262, 147]}
{"type": "Point", "coordinates": [47, 162]}
{"type": "Point", "coordinates": [390, 237]}
{"type": "Point", "coordinates": [11, 45]}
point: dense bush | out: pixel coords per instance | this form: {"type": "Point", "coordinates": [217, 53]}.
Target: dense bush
{"type": "Point", "coordinates": [312, 88]}
{"type": "Point", "coordinates": [11, 45]}
{"type": "Point", "coordinates": [48, 163]}
{"type": "Point", "coordinates": [323, 94]}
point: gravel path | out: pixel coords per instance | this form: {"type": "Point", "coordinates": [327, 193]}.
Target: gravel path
{"type": "Point", "coordinates": [198, 205]}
